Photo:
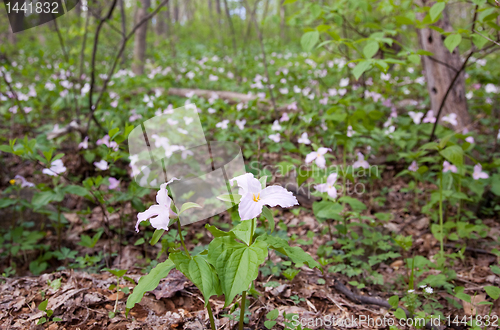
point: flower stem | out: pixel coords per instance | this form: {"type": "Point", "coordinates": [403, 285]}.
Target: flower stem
{"type": "Point", "coordinates": [441, 213]}
{"type": "Point", "coordinates": [252, 230]}
{"type": "Point", "coordinates": [182, 239]}
{"type": "Point", "coordinates": [242, 309]}
{"type": "Point", "coordinates": [211, 316]}
{"type": "Point", "coordinates": [460, 200]}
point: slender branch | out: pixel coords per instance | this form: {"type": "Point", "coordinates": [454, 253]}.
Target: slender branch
{"type": "Point", "coordinates": [115, 62]}
{"type": "Point", "coordinates": [443, 63]}
{"type": "Point", "coordinates": [61, 41]}
{"type": "Point", "coordinates": [485, 37]}
{"type": "Point", "coordinates": [457, 74]}
{"type": "Point", "coordinates": [242, 309]}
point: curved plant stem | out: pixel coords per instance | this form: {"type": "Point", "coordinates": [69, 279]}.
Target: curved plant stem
{"type": "Point", "coordinates": [181, 238]}
{"type": "Point", "coordinates": [242, 309]}
{"type": "Point", "coordinates": [441, 212]}
{"type": "Point", "coordinates": [211, 316]}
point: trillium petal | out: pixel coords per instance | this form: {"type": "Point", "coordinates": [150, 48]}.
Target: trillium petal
{"type": "Point", "coordinates": [332, 192]}
{"type": "Point", "coordinates": [277, 195]}
{"type": "Point", "coordinates": [249, 208]}
{"type": "Point", "coordinates": [332, 178]}
{"type": "Point", "coordinates": [161, 221]}
{"type": "Point", "coordinates": [247, 184]}
{"type": "Point", "coordinates": [321, 161]}
{"type": "Point", "coordinates": [323, 150]}
{"type": "Point", "coordinates": [310, 157]}
{"type": "Point", "coordinates": [151, 212]}
{"type": "Point", "coordinates": [321, 187]}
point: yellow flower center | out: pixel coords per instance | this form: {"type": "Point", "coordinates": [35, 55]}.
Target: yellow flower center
{"type": "Point", "coordinates": [256, 198]}
{"type": "Point", "coordinates": [12, 181]}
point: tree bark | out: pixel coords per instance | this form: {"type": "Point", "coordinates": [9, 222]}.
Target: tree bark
{"type": "Point", "coordinates": [140, 39]}
{"type": "Point", "coordinates": [440, 76]}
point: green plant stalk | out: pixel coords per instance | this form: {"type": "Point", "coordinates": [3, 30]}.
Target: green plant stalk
{"type": "Point", "coordinates": [441, 237]}
{"type": "Point", "coordinates": [209, 307]}
{"type": "Point", "coordinates": [460, 200]}
{"type": "Point", "coordinates": [344, 164]}
{"type": "Point", "coordinates": [242, 309]}
{"type": "Point", "coordinates": [244, 294]}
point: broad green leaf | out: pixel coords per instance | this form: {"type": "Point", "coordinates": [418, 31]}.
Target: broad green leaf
{"type": "Point", "coordinates": [216, 231]}
{"type": "Point", "coordinates": [463, 296]}
{"type": "Point", "coordinates": [296, 254]}
{"type": "Point", "coordinates": [43, 305]}
{"type": "Point", "coordinates": [492, 291]}
{"type": "Point", "coordinates": [479, 41]}
{"type": "Point", "coordinates": [436, 9]}
{"type": "Point", "coordinates": [370, 49]}
{"type": "Point", "coordinates": [309, 39]}
{"type": "Point", "coordinates": [452, 41]}
{"type": "Point", "coordinates": [361, 68]}
{"type": "Point", "coordinates": [400, 314]}
{"type": "Point", "coordinates": [156, 236]}
{"type": "Point", "coordinates": [414, 58]}
{"type": "Point", "coordinates": [269, 324]}
{"type": "Point", "coordinates": [149, 282]}
{"type": "Point", "coordinates": [394, 301]}
{"type": "Point", "coordinates": [187, 206]}
{"type": "Point", "coordinates": [495, 269]}
{"type": "Point", "coordinates": [273, 315]}
{"type": "Point", "coordinates": [117, 272]}
{"type": "Point", "coordinates": [355, 204]}
{"type": "Point", "coordinates": [266, 212]}
{"type": "Point", "coordinates": [76, 190]}
{"type": "Point", "coordinates": [200, 272]}
{"type": "Point", "coordinates": [302, 176]}
{"type": "Point", "coordinates": [237, 264]}
{"type": "Point", "coordinates": [243, 231]}
{"type": "Point", "coordinates": [231, 198]}
{"type": "Point", "coordinates": [453, 154]}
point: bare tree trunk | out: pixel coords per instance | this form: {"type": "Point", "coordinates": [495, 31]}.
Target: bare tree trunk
{"type": "Point", "coordinates": [282, 18]}
{"type": "Point", "coordinates": [439, 76]}
{"type": "Point", "coordinates": [176, 11]}
{"type": "Point", "coordinates": [140, 39]}
{"type": "Point", "coordinates": [231, 26]}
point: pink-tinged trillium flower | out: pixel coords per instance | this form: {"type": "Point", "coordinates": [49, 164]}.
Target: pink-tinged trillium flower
{"type": "Point", "coordinates": [361, 162]}
{"type": "Point", "coordinates": [344, 82]}
{"type": "Point", "coordinates": [478, 173]}
{"type": "Point", "coordinates": [213, 77]}
{"type": "Point", "coordinates": [296, 89]}
{"type": "Point", "coordinates": [318, 157]}
{"type": "Point", "coordinates": [253, 197]}
{"type": "Point", "coordinates": [190, 74]}
{"type": "Point", "coordinates": [23, 181]}
{"type": "Point", "coordinates": [390, 130]}
{"type": "Point", "coordinates": [292, 106]}
{"type": "Point", "coordinates": [469, 139]}
{"type": "Point", "coordinates": [329, 187]}
{"type": "Point", "coordinates": [342, 91]}
{"type": "Point", "coordinates": [27, 109]}
{"type": "Point", "coordinates": [222, 124]}
{"type": "Point", "coordinates": [416, 116]}
{"type": "Point", "coordinates": [284, 91]}
{"type": "Point", "coordinates": [350, 131]}
{"type": "Point", "coordinates": [56, 167]}
{"type": "Point", "coordinates": [13, 110]}
{"type": "Point", "coordinates": [447, 167]}
{"type": "Point", "coordinates": [276, 126]}
{"type": "Point", "coordinates": [158, 215]}
{"type": "Point", "coordinates": [429, 117]}
{"type": "Point", "coordinates": [110, 144]}
{"type": "Point", "coordinates": [84, 144]}
{"type": "Point", "coordinates": [261, 95]}
{"type": "Point", "coordinates": [135, 116]}
{"type": "Point", "coordinates": [332, 92]}
{"type": "Point", "coordinates": [241, 123]}
{"type": "Point", "coordinates": [413, 167]}
{"type": "Point", "coordinates": [211, 110]}
{"type": "Point", "coordinates": [498, 136]}
{"type": "Point", "coordinates": [113, 183]}
{"type": "Point", "coordinates": [451, 118]}
{"type": "Point", "coordinates": [304, 139]}
{"type": "Point", "coordinates": [275, 137]}
{"type": "Point", "coordinates": [240, 106]}
{"type": "Point", "coordinates": [114, 104]}
{"type": "Point", "coordinates": [324, 101]}
{"type": "Point", "coordinates": [102, 165]}
{"type": "Point", "coordinates": [284, 117]}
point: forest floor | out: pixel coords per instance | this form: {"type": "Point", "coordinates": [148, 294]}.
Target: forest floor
{"type": "Point", "coordinates": [83, 300]}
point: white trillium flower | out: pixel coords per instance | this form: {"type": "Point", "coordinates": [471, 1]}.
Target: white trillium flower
{"type": "Point", "coordinates": [361, 162]}
{"type": "Point", "coordinates": [451, 118]}
{"type": "Point", "coordinates": [318, 157]}
{"type": "Point", "coordinates": [241, 123]}
{"type": "Point", "coordinates": [350, 131]}
{"type": "Point", "coordinates": [447, 167]}
{"type": "Point", "coordinates": [254, 197]}
{"type": "Point", "coordinates": [56, 167]}
{"type": "Point", "coordinates": [159, 215]}
{"type": "Point", "coordinates": [469, 139]}
{"type": "Point", "coordinates": [329, 187]}
{"type": "Point", "coordinates": [276, 126]}
{"type": "Point", "coordinates": [429, 117]}
{"type": "Point", "coordinates": [24, 182]}
{"type": "Point", "coordinates": [416, 116]}
{"type": "Point", "coordinates": [429, 290]}
{"type": "Point", "coordinates": [413, 167]}
{"type": "Point", "coordinates": [222, 124]}
{"type": "Point", "coordinates": [102, 165]}
{"type": "Point", "coordinates": [304, 139]}
{"type": "Point", "coordinates": [478, 173]}
{"type": "Point", "coordinates": [275, 137]}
